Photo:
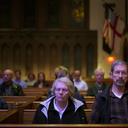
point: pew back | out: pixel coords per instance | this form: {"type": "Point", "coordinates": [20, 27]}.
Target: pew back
{"type": "Point", "coordinates": [9, 116]}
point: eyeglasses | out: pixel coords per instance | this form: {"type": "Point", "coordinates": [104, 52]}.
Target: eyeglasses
{"type": "Point", "coordinates": [61, 89]}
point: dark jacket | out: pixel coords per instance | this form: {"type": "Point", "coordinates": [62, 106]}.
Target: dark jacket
{"type": "Point", "coordinates": [36, 84]}
{"type": "Point", "coordinates": [15, 90]}
{"type": "Point", "coordinates": [3, 104]}
{"type": "Point", "coordinates": [94, 89]}
{"type": "Point", "coordinates": [101, 110]}
{"type": "Point", "coordinates": [74, 113]}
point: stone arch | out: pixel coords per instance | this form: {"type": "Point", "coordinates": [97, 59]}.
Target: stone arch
{"type": "Point", "coordinates": [65, 55]}
{"type": "Point", "coordinates": [16, 56]}
{"type": "Point", "coordinates": [29, 58]}
{"type": "Point", "coordinates": [41, 57]}
{"type": "Point", "coordinates": [5, 56]}
{"type": "Point", "coordinates": [77, 56]}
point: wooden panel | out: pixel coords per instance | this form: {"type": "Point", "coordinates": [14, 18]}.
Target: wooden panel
{"type": "Point", "coordinates": [88, 113]}
{"type": "Point", "coordinates": [52, 41]}
{"type": "Point", "coordinates": [9, 116]}
{"type": "Point", "coordinates": [65, 126]}
{"type": "Point", "coordinates": [89, 98]}
{"type": "Point", "coordinates": [89, 104]}
{"type": "Point", "coordinates": [28, 116]}
{"type": "Point", "coordinates": [36, 91]}
{"type": "Point", "coordinates": [20, 101]}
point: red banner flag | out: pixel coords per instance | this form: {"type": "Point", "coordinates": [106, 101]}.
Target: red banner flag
{"type": "Point", "coordinates": [112, 33]}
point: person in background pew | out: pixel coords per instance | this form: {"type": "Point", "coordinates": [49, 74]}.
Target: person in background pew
{"type": "Point", "coordinates": [41, 82]}
{"type": "Point", "coordinates": [8, 87]}
{"type": "Point", "coordinates": [1, 77]}
{"type": "Point", "coordinates": [111, 106]}
{"type": "Point", "coordinates": [99, 84]}
{"type": "Point", "coordinates": [3, 104]}
{"type": "Point", "coordinates": [80, 84]}
{"type": "Point", "coordinates": [18, 80]}
{"type": "Point", "coordinates": [31, 79]}
{"type": "Point", "coordinates": [61, 108]}
{"type": "Point", "coordinates": [62, 71]}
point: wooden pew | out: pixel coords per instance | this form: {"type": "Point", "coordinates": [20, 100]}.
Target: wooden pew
{"type": "Point", "coordinates": [29, 115]}
{"type": "Point", "coordinates": [64, 125]}
{"type": "Point", "coordinates": [27, 106]}
{"type": "Point", "coordinates": [35, 104]}
{"type": "Point", "coordinates": [88, 113]}
{"type": "Point", "coordinates": [9, 116]}
{"type": "Point", "coordinates": [89, 104]}
{"type": "Point", "coordinates": [89, 98]}
{"type": "Point", "coordinates": [21, 103]}
{"type": "Point", "coordinates": [34, 91]}
{"type": "Point", "coordinates": [20, 98]}
{"type": "Point", "coordinates": [83, 93]}
{"type": "Point", "coordinates": [18, 101]}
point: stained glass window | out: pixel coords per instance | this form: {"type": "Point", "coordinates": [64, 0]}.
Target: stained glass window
{"type": "Point", "coordinates": [77, 13]}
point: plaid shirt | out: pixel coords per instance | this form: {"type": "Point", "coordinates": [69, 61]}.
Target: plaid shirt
{"type": "Point", "coordinates": [119, 108]}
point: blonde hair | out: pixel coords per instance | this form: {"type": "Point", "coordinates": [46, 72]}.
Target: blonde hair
{"type": "Point", "coordinates": [61, 69]}
{"type": "Point", "coordinates": [118, 62]}
{"type": "Point", "coordinates": [67, 82]}
{"type": "Point", "coordinates": [99, 70]}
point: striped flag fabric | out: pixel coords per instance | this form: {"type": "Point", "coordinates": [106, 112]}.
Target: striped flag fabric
{"type": "Point", "coordinates": [112, 33]}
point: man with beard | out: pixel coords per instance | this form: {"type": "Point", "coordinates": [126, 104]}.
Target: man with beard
{"type": "Point", "coordinates": [111, 106]}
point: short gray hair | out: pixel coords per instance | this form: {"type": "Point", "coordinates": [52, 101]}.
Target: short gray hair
{"type": "Point", "coordinates": [118, 62]}
{"type": "Point", "coordinates": [67, 82]}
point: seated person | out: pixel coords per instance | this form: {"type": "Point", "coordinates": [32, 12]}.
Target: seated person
{"type": "Point", "coordinates": [62, 71]}
{"type": "Point", "coordinates": [18, 80]}
{"type": "Point", "coordinates": [78, 82]}
{"type": "Point", "coordinates": [8, 87]}
{"type": "Point", "coordinates": [99, 84]}
{"type": "Point", "coordinates": [61, 108]}
{"type": "Point", "coordinates": [1, 77]}
{"type": "Point", "coordinates": [3, 104]}
{"type": "Point", "coordinates": [111, 106]}
{"type": "Point", "coordinates": [41, 82]}
{"type": "Point", "coordinates": [30, 80]}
